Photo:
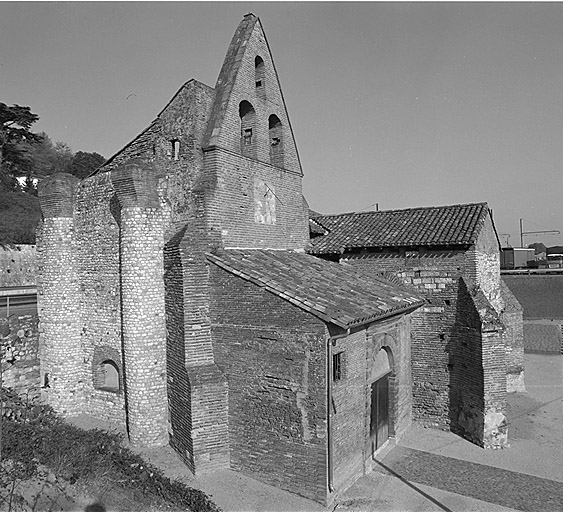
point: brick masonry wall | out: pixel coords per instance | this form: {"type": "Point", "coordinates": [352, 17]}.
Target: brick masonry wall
{"type": "Point", "coordinates": [266, 101]}
{"type": "Point", "coordinates": [198, 389]}
{"type": "Point", "coordinates": [434, 275]}
{"type": "Point", "coordinates": [19, 338]}
{"type": "Point", "coordinates": [348, 410]}
{"type": "Point", "coordinates": [351, 411]}
{"type": "Point", "coordinates": [512, 319]}
{"type": "Point", "coordinates": [97, 215]}
{"type": "Point", "coordinates": [485, 255]}
{"type": "Point", "coordinates": [18, 266]}
{"type": "Point", "coordinates": [238, 189]}
{"type": "Point", "coordinates": [274, 356]}
{"type": "Point", "coordinates": [446, 355]}
{"type": "Point", "coordinates": [394, 336]}
{"type": "Point", "coordinates": [478, 368]}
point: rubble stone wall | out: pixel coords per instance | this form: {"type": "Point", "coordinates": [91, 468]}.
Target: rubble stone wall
{"type": "Point", "coordinates": [19, 339]}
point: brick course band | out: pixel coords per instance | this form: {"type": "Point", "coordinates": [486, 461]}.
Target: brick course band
{"type": "Point", "coordinates": [56, 195]}
{"type": "Point", "coordinates": [135, 184]}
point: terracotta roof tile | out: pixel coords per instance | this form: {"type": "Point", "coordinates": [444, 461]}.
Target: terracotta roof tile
{"type": "Point", "coordinates": [431, 226]}
{"type": "Point", "coordinates": [332, 292]}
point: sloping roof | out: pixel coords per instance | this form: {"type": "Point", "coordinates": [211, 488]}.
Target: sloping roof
{"type": "Point", "coordinates": [332, 292]}
{"type": "Point", "coordinates": [429, 226]}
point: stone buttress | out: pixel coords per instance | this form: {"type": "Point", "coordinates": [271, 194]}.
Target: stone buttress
{"type": "Point", "coordinates": [62, 366]}
{"type": "Point", "coordinates": [142, 303]}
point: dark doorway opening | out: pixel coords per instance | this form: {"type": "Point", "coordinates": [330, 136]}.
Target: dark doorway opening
{"type": "Point", "coordinates": [379, 425]}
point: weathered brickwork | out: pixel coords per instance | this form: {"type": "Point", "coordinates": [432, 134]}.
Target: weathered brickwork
{"type": "Point", "coordinates": [445, 354]}
{"type": "Point", "coordinates": [274, 356]}
{"type": "Point", "coordinates": [237, 83]}
{"type": "Point", "coordinates": [19, 338]}
{"type": "Point", "coordinates": [394, 336]}
{"type": "Point", "coordinates": [277, 359]}
{"type": "Point", "coordinates": [478, 368]}
{"type": "Point", "coordinates": [512, 319]}
{"type": "Point", "coordinates": [143, 323]}
{"type": "Point", "coordinates": [433, 274]}
{"type": "Point", "coordinates": [18, 266]}
{"type": "Point", "coordinates": [232, 203]}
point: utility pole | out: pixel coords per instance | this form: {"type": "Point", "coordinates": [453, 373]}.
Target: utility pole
{"type": "Point", "coordinates": [524, 233]}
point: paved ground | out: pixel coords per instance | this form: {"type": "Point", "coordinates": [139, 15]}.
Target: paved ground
{"type": "Point", "coordinates": [435, 470]}
{"type": "Point", "coordinates": [431, 470]}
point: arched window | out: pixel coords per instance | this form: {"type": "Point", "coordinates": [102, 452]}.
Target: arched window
{"type": "Point", "coordinates": [107, 377]}
{"type": "Point", "coordinates": [247, 129]}
{"type": "Point", "coordinates": [259, 78]}
{"type": "Point", "coordinates": [276, 140]}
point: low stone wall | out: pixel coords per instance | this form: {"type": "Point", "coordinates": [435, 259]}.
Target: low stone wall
{"type": "Point", "coordinates": [19, 339]}
{"type": "Point", "coordinates": [543, 336]}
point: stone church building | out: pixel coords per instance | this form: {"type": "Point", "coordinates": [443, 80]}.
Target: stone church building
{"type": "Point", "coordinates": [176, 297]}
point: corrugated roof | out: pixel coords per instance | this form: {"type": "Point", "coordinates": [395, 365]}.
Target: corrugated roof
{"type": "Point", "coordinates": [332, 292]}
{"type": "Point", "coordinates": [428, 226]}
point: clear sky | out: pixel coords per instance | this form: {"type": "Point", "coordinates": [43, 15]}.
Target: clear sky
{"type": "Point", "coordinates": [400, 104]}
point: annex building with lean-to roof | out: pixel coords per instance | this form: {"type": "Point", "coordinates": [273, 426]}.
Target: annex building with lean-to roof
{"type": "Point", "coordinates": [177, 297]}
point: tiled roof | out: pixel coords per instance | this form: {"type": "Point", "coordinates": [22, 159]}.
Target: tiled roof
{"type": "Point", "coordinates": [333, 292]}
{"type": "Point", "coordinates": [440, 225]}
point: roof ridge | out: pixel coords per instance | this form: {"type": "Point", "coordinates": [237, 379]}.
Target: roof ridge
{"type": "Point", "coordinates": [482, 203]}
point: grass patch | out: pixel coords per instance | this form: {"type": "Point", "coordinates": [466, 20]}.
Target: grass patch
{"type": "Point", "coordinates": [33, 436]}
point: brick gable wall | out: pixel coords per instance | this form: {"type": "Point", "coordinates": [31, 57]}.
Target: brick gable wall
{"type": "Point", "coordinates": [266, 101]}
{"type": "Point", "coordinates": [274, 357]}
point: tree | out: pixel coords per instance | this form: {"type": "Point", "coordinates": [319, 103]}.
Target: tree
{"type": "Point", "coordinates": [48, 158]}
{"type": "Point", "coordinates": [15, 141]}
{"type": "Point", "coordinates": [83, 164]}
{"type": "Point", "coordinates": [538, 247]}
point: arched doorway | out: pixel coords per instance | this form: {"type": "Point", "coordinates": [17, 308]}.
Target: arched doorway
{"type": "Point", "coordinates": [379, 415]}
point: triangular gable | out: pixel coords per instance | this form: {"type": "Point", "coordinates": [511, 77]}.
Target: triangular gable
{"type": "Point", "coordinates": [241, 81]}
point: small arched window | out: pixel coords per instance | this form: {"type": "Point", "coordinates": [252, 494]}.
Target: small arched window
{"type": "Point", "coordinates": [275, 134]}
{"type": "Point", "coordinates": [107, 377]}
{"type": "Point", "coordinates": [259, 78]}
{"type": "Point", "coordinates": [247, 129]}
